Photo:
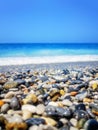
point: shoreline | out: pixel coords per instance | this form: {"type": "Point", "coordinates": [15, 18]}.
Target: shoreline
{"type": "Point", "coordinates": [5, 61]}
{"type": "Point", "coordinates": [48, 66]}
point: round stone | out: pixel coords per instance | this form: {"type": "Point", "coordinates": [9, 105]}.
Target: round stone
{"type": "Point", "coordinates": [40, 109]}
{"type": "Point", "coordinates": [16, 119]}
{"type": "Point", "coordinates": [15, 104]}
{"type": "Point", "coordinates": [73, 121]}
{"type": "Point", "coordinates": [5, 108]}
{"type": "Point", "coordinates": [91, 124]}
{"type": "Point", "coordinates": [26, 114]}
{"type": "Point", "coordinates": [67, 102]}
{"type": "Point", "coordinates": [29, 107]}
{"type": "Point", "coordinates": [10, 84]}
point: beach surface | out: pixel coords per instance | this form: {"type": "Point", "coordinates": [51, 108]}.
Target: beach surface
{"type": "Point", "coordinates": [54, 96]}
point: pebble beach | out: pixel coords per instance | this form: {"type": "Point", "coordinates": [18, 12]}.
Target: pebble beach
{"type": "Point", "coordinates": [56, 96]}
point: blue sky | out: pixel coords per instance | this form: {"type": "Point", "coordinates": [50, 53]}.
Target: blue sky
{"type": "Point", "coordinates": [48, 21]}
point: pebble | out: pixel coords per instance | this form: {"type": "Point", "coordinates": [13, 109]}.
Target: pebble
{"type": "Point", "coordinates": [30, 98]}
{"type": "Point", "coordinates": [73, 128]}
{"type": "Point", "coordinates": [9, 95]}
{"type": "Point", "coordinates": [91, 124]}
{"type": "Point", "coordinates": [80, 123]}
{"type": "Point", "coordinates": [95, 86]}
{"type": "Point", "coordinates": [64, 120]}
{"type": "Point", "coordinates": [16, 126]}
{"type": "Point", "coordinates": [16, 119]}
{"type": "Point", "coordinates": [73, 121]}
{"type": "Point", "coordinates": [15, 104]}
{"type": "Point", "coordinates": [67, 102]}
{"type": "Point", "coordinates": [80, 106]}
{"type": "Point", "coordinates": [53, 104]}
{"type": "Point", "coordinates": [50, 121]}
{"type": "Point", "coordinates": [74, 93]}
{"type": "Point", "coordinates": [81, 114]}
{"type": "Point", "coordinates": [34, 127]}
{"type": "Point", "coordinates": [1, 103]}
{"type": "Point", "coordinates": [5, 108]}
{"type": "Point", "coordinates": [29, 107]}
{"type": "Point", "coordinates": [35, 121]}
{"type": "Point", "coordinates": [81, 96]}
{"type": "Point", "coordinates": [62, 92]}
{"type": "Point", "coordinates": [40, 109]}
{"type": "Point", "coordinates": [26, 114]}
{"type": "Point", "coordinates": [11, 84]}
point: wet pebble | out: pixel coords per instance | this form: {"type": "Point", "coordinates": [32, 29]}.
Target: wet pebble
{"type": "Point", "coordinates": [5, 108]}
{"type": "Point", "coordinates": [91, 124]}
{"type": "Point", "coordinates": [40, 109]}
{"type": "Point", "coordinates": [29, 107]}
{"type": "Point", "coordinates": [73, 121]}
{"type": "Point", "coordinates": [49, 121]}
{"type": "Point", "coordinates": [26, 114]}
{"type": "Point", "coordinates": [16, 119]}
{"type": "Point", "coordinates": [15, 104]}
{"type": "Point", "coordinates": [81, 95]}
{"type": "Point", "coordinates": [11, 84]}
{"type": "Point", "coordinates": [67, 102]}
{"type": "Point", "coordinates": [81, 114]}
{"type": "Point", "coordinates": [80, 106]}
{"type": "Point", "coordinates": [35, 121]}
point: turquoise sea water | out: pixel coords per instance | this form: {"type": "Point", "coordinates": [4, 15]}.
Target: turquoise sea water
{"type": "Point", "coordinates": [47, 49]}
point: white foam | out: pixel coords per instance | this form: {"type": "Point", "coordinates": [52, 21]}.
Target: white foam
{"type": "Point", "coordinates": [47, 59]}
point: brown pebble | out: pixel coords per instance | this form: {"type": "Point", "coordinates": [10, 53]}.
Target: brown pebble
{"type": "Point", "coordinates": [55, 97]}
{"type": "Point", "coordinates": [73, 93]}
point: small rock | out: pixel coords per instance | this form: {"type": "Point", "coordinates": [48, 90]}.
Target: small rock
{"type": "Point", "coordinates": [1, 103]}
{"type": "Point", "coordinates": [11, 84]}
{"type": "Point", "coordinates": [67, 102]}
{"type": "Point", "coordinates": [80, 106]}
{"type": "Point", "coordinates": [95, 86]}
{"type": "Point", "coordinates": [64, 120]}
{"type": "Point", "coordinates": [73, 121]}
{"type": "Point", "coordinates": [50, 121]}
{"type": "Point", "coordinates": [34, 127]}
{"type": "Point", "coordinates": [53, 91]}
{"type": "Point", "coordinates": [32, 97]}
{"type": "Point", "coordinates": [53, 104]}
{"type": "Point", "coordinates": [35, 121]}
{"type": "Point", "coordinates": [15, 104]}
{"type": "Point", "coordinates": [55, 97]}
{"type": "Point", "coordinates": [91, 83]}
{"type": "Point", "coordinates": [73, 128]}
{"type": "Point", "coordinates": [9, 95]}
{"type": "Point", "coordinates": [16, 126]}
{"type": "Point", "coordinates": [16, 119]}
{"type": "Point", "coordinates": [26, 114]}
{"type": "Point", "coordinates": [80, 123]}
{"type": "Point", "coordinates": [29, 107]}
{"type": "Point", "coordinates": [85, 100]}
{"type": "Point", "coordinates": [91, 124]}
{"type": "Point", "coordinates": [62, 92]}
{"type": "Point", "coordinates": [81, 96]}
{"type": "Point", "coordinates": [73, 93]}
{"type": "Point", "coordinates": [40, 109]}
{"type": "Point", "coordinates": [5, 108]}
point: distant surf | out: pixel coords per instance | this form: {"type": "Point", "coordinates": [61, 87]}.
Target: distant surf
{"type": "Point", "coordinates": [38, 53]}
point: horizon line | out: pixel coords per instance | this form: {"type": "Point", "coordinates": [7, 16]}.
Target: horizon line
{"type": "Point", "coordinates": [48, 42]}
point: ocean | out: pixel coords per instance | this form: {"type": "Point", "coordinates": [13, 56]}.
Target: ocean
{"type": "Point", "coordinates": [25, 53]}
